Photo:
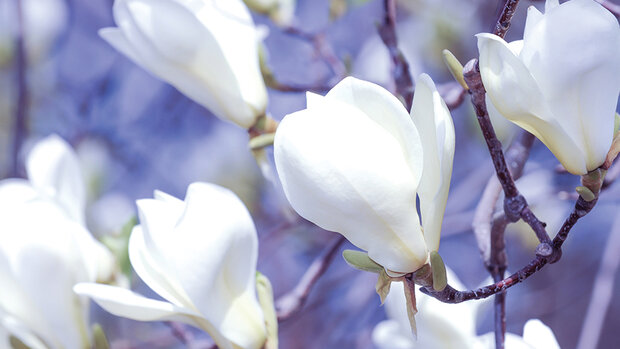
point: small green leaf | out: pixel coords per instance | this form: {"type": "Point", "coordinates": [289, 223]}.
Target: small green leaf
{"type": "Point", "coordinates": [265, 298]}
{"type": "Point", "coordinates": [119, 245]}
{"type": "Point", "coordinates": [440, 280]}
{"type": "Point", "coordinates": [384, 281]}
{"type": "Point", "coordinates": [455, 67]}
{"type": "Point", "coordinates": [585, 193]}
{"type": "Point", "coordinates": [412, 307]}
{"type": "Point", "coordinates": [361, 261]}
{"type": "Point", "coordinates": [99, 338]}
{"type": "Point", "coordinates": [16, 343]}
{"type": "Point", "coordinates": [262, 141]}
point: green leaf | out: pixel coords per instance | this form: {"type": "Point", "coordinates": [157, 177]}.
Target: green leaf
{"type": "Point", "coordinates": [455, 67]}
{"type": "Point", "coordinates": [265, 298]}
{"type": "Point", "coordinates": [585, 193]}
{"type": "Point", "coordinates": [99, 338]}
{"type": "Point", "coordinates": [440, 279]}
{"type": "Point", "coordinates": [119, 245]}
{"type": "Point", "coordinates": [361, 261]}
{"type": "Point", "coordinates": [384, 281]}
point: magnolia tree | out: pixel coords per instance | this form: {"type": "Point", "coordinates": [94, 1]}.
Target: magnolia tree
{"type": "Point", "coordinates": [367, 163]}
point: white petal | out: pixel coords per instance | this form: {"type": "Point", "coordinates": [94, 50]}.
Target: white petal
{"type": "Point", "coordinates": [117, 39]}
{"type": "Point", "coordinates": [344, 171]}
{"type": "Point", "coordinates": [516, 95]}
{"type": "Point", "coordinates": [125, 303]}
{"type": "Point", "coordinates": [387, 111]}
{"type": "Point", "coordinates": [203, 256]}
{"type": "Point", "coordinates": [539, 335]}
{"type": "Point", "coordinates": [434, 123]}
{"type": "Point", "coordinates": [53, 168]}
{"type": "Point", "coordinates": [573, 55]}
{"type": "Point", "coordinates": [173, 39]}
{"type": "Point", "coordinates": [389, 334]}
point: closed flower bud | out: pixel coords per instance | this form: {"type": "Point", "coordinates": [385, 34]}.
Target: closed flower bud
{"type": "Point", "coordinates": [354, 161]}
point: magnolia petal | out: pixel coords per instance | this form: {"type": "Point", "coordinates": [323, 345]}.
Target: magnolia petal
{"type": "Point", "coordinates": [346, 173]}
{"type": "Point", "coordinates": [584, 100]}
{"type": "Point", "coordinates": [125, 303]}
{"type": "Point", "coordinates": [152, 272]}
{"type": "Point", "coordinates": [539, 335]}
{"type": "Point", "coordinates": [201, 32]}
{"type": "Point", "coordinates": [53, 168]}
{"type": "Point", "coordinates": [434, 123]}
{"type": "Point", "coordinates": [389, 334]}
{"type": "Point", "coordinates": [220, 283]}
{"type": "Point", "coordinates": [533, 18]}
{"type": "Point", "coordinates": [117, 39]}
{"type": "Point", "coordinates": [387, 111]}
{"type": "Point", "coordinates": [516, 95]}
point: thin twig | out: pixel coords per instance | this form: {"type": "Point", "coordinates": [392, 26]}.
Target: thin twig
{"type": "Point", "coordinates": [602, 292]}
{"type": "Point", "coordinates": [400, 67]}
{"type": "Point", "coordinates": [503, 22]}
{"type": "Point", "coordinates": [19, 126]}
{"type": "Point", "coordinates": [322, 48]}
{"type": "Point", "coordinates": [452, 93]}
{"type": "Point", "coordinates": [450, 295]}
{"type": "Point", "coordinates": [292, 302]}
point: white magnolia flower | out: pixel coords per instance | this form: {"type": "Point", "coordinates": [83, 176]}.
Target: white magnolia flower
{"type": "Point", "coordinates": [354, 161]}
{"type": "Point", "coordinates": [561, 82]}
{"type": "Point", "coordinates": [447, 326]}
{"type": "Point", "coordinates": [44, 21]}
{"type": "Point", "coordinates": [281, 12]}
{"type": "Point", "coordinates": [536, 335]}
{"type": "Point", "coordinates": [200, 256]}
{"type": "Point", "coordinates": [207, 49]}
{"type": "Point", "coordinates": [440, 325]}
{"type": "Point", "coordinates": [46, 250]}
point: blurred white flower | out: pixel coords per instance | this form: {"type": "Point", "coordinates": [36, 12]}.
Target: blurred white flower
{"type": "Point", "coordinates": [561, 82]}
{"type": "Point", "coordinates": [200, 256]}
{"type": "Point", "coordinates": [354, 161]}
{"type": "Point", "coordinates": [44, 21]}
{"type": "Point", "coordinates": [46, 250]}
{"type": "Point", "coordinates": [281, 12]}
{"type": "Point", "coordinates": [440, 325]}
{"type": "Point", "coordinates": [207, 49]}
{"type": "Point", "coordinates": [446, 326]}
{"type": "Point", "coordinates": [536, 335]}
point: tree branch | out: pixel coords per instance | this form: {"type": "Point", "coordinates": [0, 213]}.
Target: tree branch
{"type": "Point", "coordinates": [450, 295]}
{"type": "Point", "coordinates": [400, 67]}
{"type": "Point", "coordinates": [292, 302]}
{"type": "Point", "coordinates": [19, 126]}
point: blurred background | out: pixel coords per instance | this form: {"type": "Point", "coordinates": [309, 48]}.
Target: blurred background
{"type": "Point", "coordinates": [134, 134]}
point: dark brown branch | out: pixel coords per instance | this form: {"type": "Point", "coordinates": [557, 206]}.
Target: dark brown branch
{"type": "Point", "coordinates": [400, 67]}
{"type": "Point", "coordinates": [19, 126]}
{"type": "Point", "coordinates": [503, 22]}
{"type": "Point", "coordinates": [450, 295]}
{"type": "Point", "coordinates": [292, 302]}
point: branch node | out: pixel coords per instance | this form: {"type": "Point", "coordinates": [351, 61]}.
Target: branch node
{"type": "Point", "coordinates": [513, 206]}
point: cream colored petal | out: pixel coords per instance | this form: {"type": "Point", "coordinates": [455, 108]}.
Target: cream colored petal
{"type": "Point", "coordinates": [346, 173]}
{"type": "Point", "coordinates": [387, 111]}
{"type": "Point", "coordinates": [583, 38]}
{"type": "Point", "coordinates": [516, 95]}
{"type": "Point", "coordinates": [215, 257]}
{"type": "Point", "coordinates": [539, 335]}
{"type": "Point", "coordinates": [434, 123]}
{"type": "Point", "coordinates": [116, 38]}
